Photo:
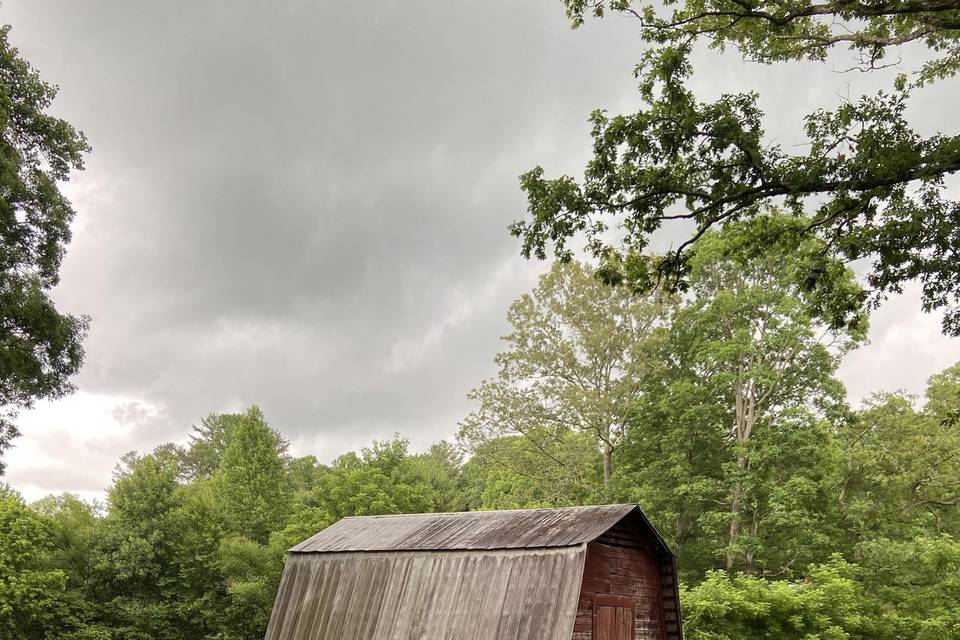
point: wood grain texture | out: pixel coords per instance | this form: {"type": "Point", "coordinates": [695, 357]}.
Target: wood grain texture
{"type": "Point", "coordinates": [517, 594]}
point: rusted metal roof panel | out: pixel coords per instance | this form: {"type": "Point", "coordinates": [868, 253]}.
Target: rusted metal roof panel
{"type": "Point", "coordinates": [503, 594]}
{"type": "Point", "coordinates": [517, 529]}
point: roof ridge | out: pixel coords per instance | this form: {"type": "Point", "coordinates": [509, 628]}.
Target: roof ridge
{"type": "Point", "coordinates": [504, 529]}
{"type": "Point", "coordinates": [460, 513]}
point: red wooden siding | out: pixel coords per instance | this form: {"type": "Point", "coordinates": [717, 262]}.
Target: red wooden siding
{"type": "Point", "coordinates": [622, 574]}
{"type": "Point", "coordinates": [613, 618]}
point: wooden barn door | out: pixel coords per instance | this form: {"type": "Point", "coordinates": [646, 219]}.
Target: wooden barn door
{"type": "Point", "coordinates": [612, 618]}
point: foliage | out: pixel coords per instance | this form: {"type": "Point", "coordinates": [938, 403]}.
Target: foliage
{"type": "Point", "coordinates": [511, 472]}
{"type": "Point", "coordinates": [828, 605]}
{"type": "Point", "coordinates": [209, 441]}
{"type": "Point", "coordinates": [840, 552]}
{"type": "Point", "coordinates": [251, 483]}
{"type": "Point", "coordinates": [757, 363]}
{"type": "Point", "coordinates": [874, 186]}
{"type": "Point", "coordinates": [32, 602]}
{"type": "Point", "coordinates": [900, 474]}
{"type": "Point", "coordinates": [386, 478]}
{"type": "Point", "coordinates": [571, 367]}
{"type": "Point", "coordinates": [40, 347]}
{"type": "Point", "coordinates": [899, 590]}
{"type": "Point", "coordinates": [848, 520]}
{"type": "Point", "coordinates": [914, 586]}
{"type": "Point", "coordinates": [724, 430]}
{"type": "Point", "coordinates": [777, 30]}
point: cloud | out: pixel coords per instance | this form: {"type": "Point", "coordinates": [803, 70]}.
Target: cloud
{"type": "Point", "coordinates": [906, 348]}
{"type": "Point", "coordinates": [74, 444]}
{"type": "Point", "coordinates": [304, 206]}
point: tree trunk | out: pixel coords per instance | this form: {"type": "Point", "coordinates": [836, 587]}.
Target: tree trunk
{"type": "Point", "coordinates": [745, 418]}
{"type": "Point", "coordinates": [735, 498]}
{"type": "Point", "coordinates": [607, 463]}
{"type": "Point", "coordinates": [748, 555]}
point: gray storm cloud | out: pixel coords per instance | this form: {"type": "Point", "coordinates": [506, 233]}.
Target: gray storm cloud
{"type": "Point", "coordinates": [304, 205]}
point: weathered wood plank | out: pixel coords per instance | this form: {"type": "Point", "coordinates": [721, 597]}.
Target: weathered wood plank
{"type": "Point", "coordinates": [513, 594]}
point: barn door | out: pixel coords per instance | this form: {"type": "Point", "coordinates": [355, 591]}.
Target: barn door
{"type": "Point", "coordinates": [612, 618]}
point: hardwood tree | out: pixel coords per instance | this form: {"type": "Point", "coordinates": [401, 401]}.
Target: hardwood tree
{"type": "Point", "coordinates": [40, 347]}
{"type": "Point", "coordinates": [778, 30]}
{"type": "Point", "coordinates": [511, 471]}
{"type": "Point", "coordinates": [165, 562]}
{"type": "Point", "coordinates": [729, 435]}
{"type": "Point", "coordinates": [32, 602]}
{"type": "Point", "coordinates": [900, 477]}
{"type": "Point", "coordinates": [251, 486]}
{"type": "Point", "coordinates": [872, 185]}
{"type": "Point", "coordinates": [829, 603]}
{"type": "Point", "coordinates": [135, 556]}
{"type": "Point", "coordinates": [208, 442]}
{"type": "Point", "coordinates": [572, 365]}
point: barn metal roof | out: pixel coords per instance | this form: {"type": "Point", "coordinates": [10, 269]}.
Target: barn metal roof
{"type": "Point", "coordinates": [471, 530]}
{"type": "Point", "coordinates": [499, 594]}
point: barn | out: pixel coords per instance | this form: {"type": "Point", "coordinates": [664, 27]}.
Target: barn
{"type": "Point", "coordinates": [579, 573]}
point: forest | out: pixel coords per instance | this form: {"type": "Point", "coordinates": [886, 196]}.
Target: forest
{"type": "Point", "coordinates": [792, 513]}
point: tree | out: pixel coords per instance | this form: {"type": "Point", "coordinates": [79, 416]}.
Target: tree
{"type": "Point", "coordinates": [734, 415]}
{"type": "Point", "coordinates": [40, 347]}
{"type": "Point", "coordinates": [912, 587]}
{"type": "Point", "coordinates": [776, 30]}
{"type": "Point", "coordinates": [943, 396]}
{"type": "Point", "coordinates": [251, 485]}
{"type": "Point", "coordinates": [512, 472]}
{"type": "Point", "coordinates": [75, 527]}
{"type": "Point", "coordinates": [441, 467]}
{"type": "Point", "coordinates": [753, 335]}
{"type": "Point", "coordinates": [900, 477]}
{"type": "Point", "coordinates": [828, 604]}
{"type": "Point", "coordinates": [135, 562]}
{"type": "Point", "coordinates": [903, 591]}
{"type": "Point", "coordinates": [850, 517]}
{"type": "Point", "coordinates": [185, 552]}
{"type": "Point", "coordinates": [386, 478]}
{"type": "Point", "coordinates": [209, 441]}
{"type": "Point", "coordinates": [572, 364]}
{"type": "Point", "coordinates": [252, 573]}
{"type": "Point", "coordinates": [874, 186]}
{"type": "Point", "coordinates": [32, 604]}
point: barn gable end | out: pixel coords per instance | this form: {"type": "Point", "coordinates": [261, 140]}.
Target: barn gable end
{"type": "Point", "coordinates": [625, 572]}
{"type": "Point", "coordinates": [539, 574]}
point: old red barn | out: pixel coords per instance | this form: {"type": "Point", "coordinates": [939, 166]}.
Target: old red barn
{"type": "Point", "coordinates": [581, 573]}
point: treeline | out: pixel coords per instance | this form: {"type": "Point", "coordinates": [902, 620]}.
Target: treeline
{"type": "Point", "coordinates": [794, 515]}
{"type": "Point", "coordinates": [192, 540]}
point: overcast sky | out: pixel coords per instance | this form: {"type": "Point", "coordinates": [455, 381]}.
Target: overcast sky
{"type": "Point", "coordinates": [303, 205]}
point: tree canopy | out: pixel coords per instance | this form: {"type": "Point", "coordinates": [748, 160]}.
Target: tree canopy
{"type": "Point", "coordinates": [849, 519]}
{"type": "Point", "coordinates": [871, 185]}
{"type": "Point", "coordinates": [793, 514]}
{"type": "Point", "coordinates": [576, 353]}
{"type": "Point", "coordinates": [777, 30]}
{"type": "Point", "coordinates": [40, 347]}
